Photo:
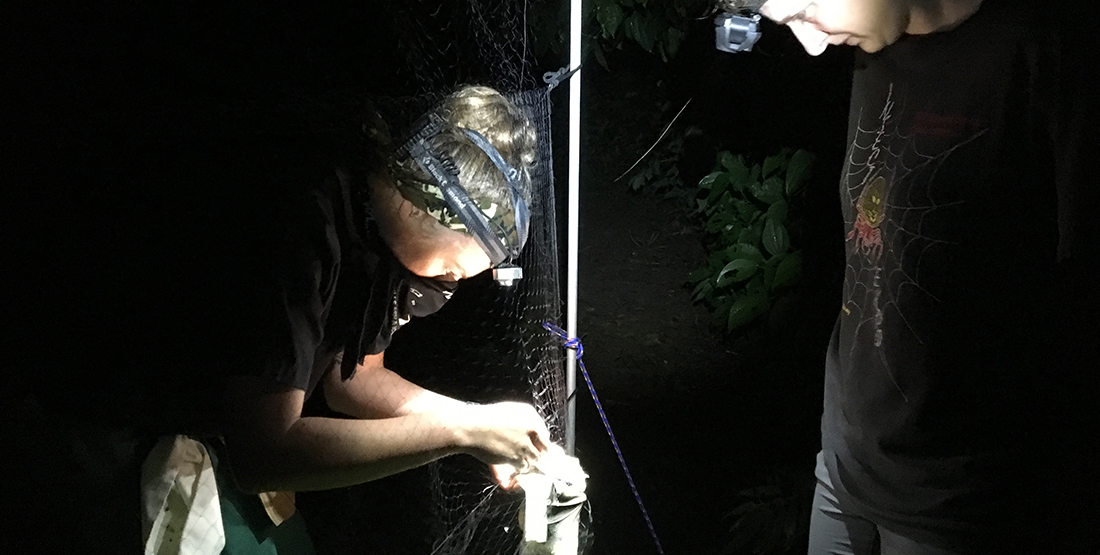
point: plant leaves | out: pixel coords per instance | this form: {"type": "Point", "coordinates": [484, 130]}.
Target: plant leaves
{"type": "Point", "coordinates": [739, 177]}
{"type": "Point", "coordinates": [773, 163]}
{"type": "Point", "coordinates": [746, 210]}
{"type": "Point", "coordinates": [719, 221]}
{"type": "Point", "coordinates": [699, 275]}
{"type": "Point", "coordinates": [744, 250]}
{"type": "Point", "coordinates": [788, 271]}
{"type": "Point", "coordinates": [610, 16]}
{"type": "Point", "coordinates": [778, 211]}
{"type": "Point", "coordinates": [798, 171]}
{"type": "Point", "coordinates": [589, 44]}
{"type": "Point", "coordinates": [673, 39]}
{"type": "Point", "coordinates": [739, 270]}
{"type": "Point", "coordinates": [775, 238]}
{"type": "Point", "coordinates": [727, 160]}
{"type": "Point", "coordinates": [756, 231]}
{"type": "Point", "coordinates": [770, 268]}
{"type": "Point", "coordinates": [746, 309]}
{"type": "Point", "coordinates": [708, 180]}
{"type": "Point", "coordinates": [702, 290]}
{"type": "Point", "coordinates": [640, 28]}
{"type": "Point", "coordinates": [718, 187]}
{"type": "Point", "coordinates": [770, 191]}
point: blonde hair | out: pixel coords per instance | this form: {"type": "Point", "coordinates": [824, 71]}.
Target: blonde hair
{"type": "Point", "coordinates": [503, 124]}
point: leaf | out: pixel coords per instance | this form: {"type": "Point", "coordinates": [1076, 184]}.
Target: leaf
{"type": "Point", "coordinates": [639, 28]}
{"type": "Point", "coordinates": [788, 271]}
{"type": "Point", "coordinates": [708, 180]}
{"type": "Point", "coordinates": [731, 232]}
{"type": "Point", "coordinates": [727, 160]}
{"type": "Point", "coordinates": [773, 163]}
{"type": "Point", "coordinates": [778, 211]}
{"type": "Point", "coordinates": [770, 268]}
{"type": "Point", "coordinates": [746, 210]}
{"type": "Point", "coordinates": [739, 177]}
{"type": "Point", "coordinates": [721, 183]}
{"type": "Point", "coordinates": [746, 309]}
{"type": "Point", "coordinates": [770, 191]}
{"type": "Point", "coordinates": [775, 238]}
{"type": "Point", "coordinates": [744, 250]}
{"type": "Point", "coordinates": [673, 39]}
{"type": "Point", "coordinates": [610, 16]}
{"type": "Point", "coordinates": [719, 221]}
{"type": "Point", "coordinates": [716, 259]}
{"type": "Point", "coordinates": [756, 230]}
{"type": "Point", "coordinates": [741, 269]}
{"type": "Point", "coordinates": [702, 290]}
{"type": "Point", "coordinates": [798, 171]}
{"type": "Point", "coordinates": [637, 182]}
{"type": "Point", "coordinates": [589, 45]}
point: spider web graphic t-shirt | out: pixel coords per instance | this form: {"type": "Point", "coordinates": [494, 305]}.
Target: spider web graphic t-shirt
{"type": "Point", "coordinates": [951, 211]}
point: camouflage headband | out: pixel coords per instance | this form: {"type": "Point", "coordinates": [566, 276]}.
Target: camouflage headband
{"type": "Point", "coordinates": [429, 198]}
{"type": "Point", "coordinates": [509, 224]}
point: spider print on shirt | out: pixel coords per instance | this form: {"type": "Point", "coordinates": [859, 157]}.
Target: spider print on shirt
{"type": "Point", "coordinates": [888, 200]}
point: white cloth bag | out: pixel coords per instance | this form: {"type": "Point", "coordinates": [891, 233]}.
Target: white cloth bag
{"type": "Point", "coordinates": [181, 514]}
{"type": "Point", "coordinates": [554, 498]}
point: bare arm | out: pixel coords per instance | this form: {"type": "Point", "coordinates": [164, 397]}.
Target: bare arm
{"type": "Point", "coordinates": [376, 392]}
{"type": "Point", "coordinates": [273, 447]}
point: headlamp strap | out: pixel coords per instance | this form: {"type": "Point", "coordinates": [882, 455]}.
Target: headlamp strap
{"type": "Point", "coordinates": [511, 175]}
{"type": "Point", "coordinates": [442, 170]}
{"type": "Point", "coordinates": [456, 197]}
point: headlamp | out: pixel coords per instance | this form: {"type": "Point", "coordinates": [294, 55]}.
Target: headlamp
{"type": "Point", "coordinates": [502, 245]}
{"type": "Point", "coordinates": [738, 29]}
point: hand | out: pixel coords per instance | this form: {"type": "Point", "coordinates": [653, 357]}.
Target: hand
{"type": "Point", "coordinates": [510, 436]}
{"type": "Point", "coordinates": [505, 475]}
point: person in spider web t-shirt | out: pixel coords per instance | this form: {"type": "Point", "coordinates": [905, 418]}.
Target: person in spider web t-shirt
{"type": "Point", "coordinates": [962, 362]}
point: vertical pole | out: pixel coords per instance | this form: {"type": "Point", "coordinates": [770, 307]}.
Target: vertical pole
{"type": "Point", "coordinates": [573, 221]}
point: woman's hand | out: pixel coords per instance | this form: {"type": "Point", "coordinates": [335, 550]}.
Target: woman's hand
{"type": "Point", "coordinates": [510, 436]}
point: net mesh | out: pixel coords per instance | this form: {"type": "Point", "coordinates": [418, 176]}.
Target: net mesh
{"type": "Point", "coordinates": [487, 343]}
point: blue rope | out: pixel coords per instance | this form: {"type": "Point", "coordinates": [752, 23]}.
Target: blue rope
{"type": "Point", "coordinates": [575, 343]}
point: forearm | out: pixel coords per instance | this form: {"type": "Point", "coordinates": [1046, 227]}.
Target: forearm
{"type": "Point", "coordinates": [376, 392]}
{"type": "Point", "coordinates": [322, 453]}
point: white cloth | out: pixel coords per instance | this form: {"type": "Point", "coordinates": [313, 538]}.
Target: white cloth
{"type": "Point", "coordinates": [554, 496]}
{"type": "Point", "coordinates": [181, 513]}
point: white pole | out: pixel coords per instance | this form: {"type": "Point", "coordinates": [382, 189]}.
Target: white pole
{"type": "Point", "coordinates": [573, 220]}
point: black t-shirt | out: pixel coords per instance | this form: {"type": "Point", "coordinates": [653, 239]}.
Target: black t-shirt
{"type": "Point", "coordinates": [963, 196]}
{"type": "Point", "coordinates": [198, 256]}
{"type": "Point", "coordinates": [341, 293]}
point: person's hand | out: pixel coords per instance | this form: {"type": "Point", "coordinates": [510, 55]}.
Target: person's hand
{"type": "Point", "coordinates": [509, 436]}
{"type": "Point", "coordinates": [505, 475]}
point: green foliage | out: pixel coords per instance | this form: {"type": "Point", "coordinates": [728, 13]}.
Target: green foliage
{"type": "Point", "coordinates": [772, 518]}
{"type": "Point", "coordinates": [657, 26]}
{"type": "Point", "coordinates": [660, 175]}
{"type": "Point", "coordinates": [745, 212]}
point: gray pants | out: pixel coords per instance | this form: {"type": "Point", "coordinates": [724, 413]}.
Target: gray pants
{"type": "Point", "coordinates": [1046, 517]}
{"type": "Point", "coordinates": [835, 531]}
